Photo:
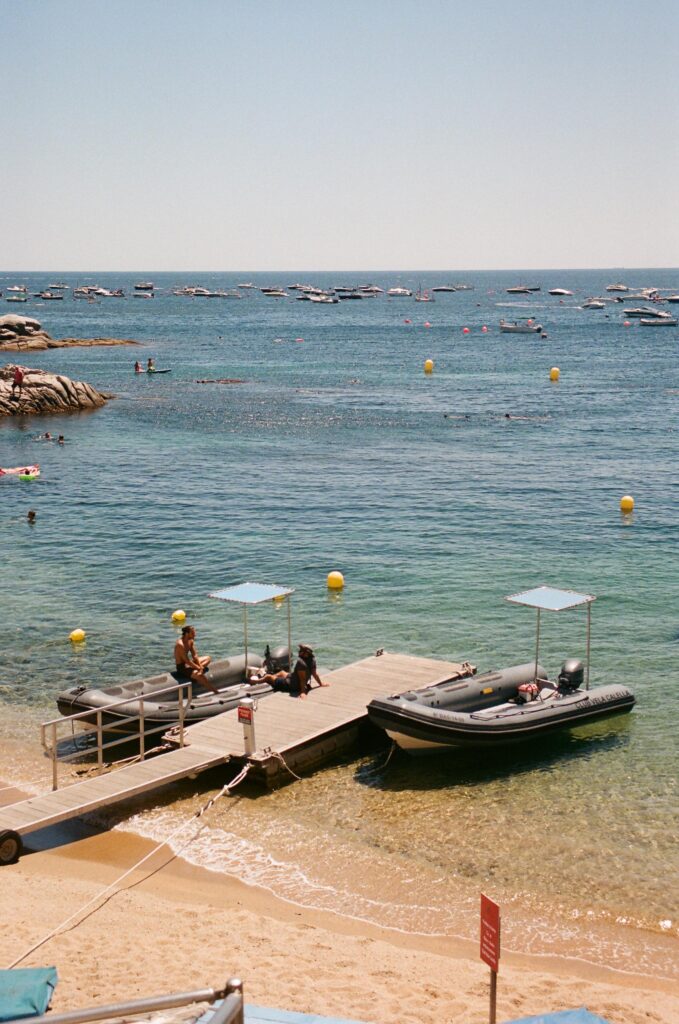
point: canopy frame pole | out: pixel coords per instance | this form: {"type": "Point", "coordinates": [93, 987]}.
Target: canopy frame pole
{"type": "Point", "coordinates": [245, 632]}
{"type": "Point", "coordinates": [289, 634]}
{"type": "Point", "coordinates": [537, 646]}
{"type": "Point", "coordinates": [589, 630]}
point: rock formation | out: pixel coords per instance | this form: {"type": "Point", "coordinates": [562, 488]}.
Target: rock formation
{"type": "Point", "coordinates": [24, 334]}
{"type": "Point", "coordinates": [42, 392]}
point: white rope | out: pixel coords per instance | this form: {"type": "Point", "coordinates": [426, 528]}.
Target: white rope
{"type": "Point", "coordinates": [275, 753]}
{"type": "Point", "coordinates": [109, 888]}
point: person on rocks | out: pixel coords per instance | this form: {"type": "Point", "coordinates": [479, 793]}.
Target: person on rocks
{"type": "Point", "coordinates": [17, 380]}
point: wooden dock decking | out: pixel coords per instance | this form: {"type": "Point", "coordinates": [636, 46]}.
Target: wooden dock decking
{"type": "Point", "coordinates": [303, 732]}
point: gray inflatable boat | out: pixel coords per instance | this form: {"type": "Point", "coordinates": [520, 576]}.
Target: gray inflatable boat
{"type": "Point", "coordinates": [499, 707]}
{"type": "Point", "coordinates": [228, 675]}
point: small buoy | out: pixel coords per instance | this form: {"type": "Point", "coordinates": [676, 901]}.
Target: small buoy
{"type": "Point", "coordinates": [299, 339]}
{"type": "Point", "coordinates": [429, 366]}
{"type": "Point", "coordinates": [554, 373]}
{"type": "Point", "coordinates": [335, 580]}
{"type": "Point", "coordinates": [465, 330]}
{"type": "Point", "coordinates": [427, 324]}
{"type": "Point", "coordinates": [179, 615]}
{"type": "Point", "coordinates": [77, 636]}
{"type": "Point", "coordinates": [627, 503]}
{"type": "Point", "coordinates": [627, 323]}
{"type": "Point", "coordinates": [484, 329]}
{"type": "Point", "coordinates": [407, 321]}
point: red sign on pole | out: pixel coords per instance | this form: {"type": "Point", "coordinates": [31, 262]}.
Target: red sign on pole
{"type": "Point", "coordinates": [245, 716]}
{"type": "Point", "coordinates": [490, 933]}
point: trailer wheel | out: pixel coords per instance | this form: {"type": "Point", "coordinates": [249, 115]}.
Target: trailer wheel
{"type": "Point", "coordinates": [10, 847]}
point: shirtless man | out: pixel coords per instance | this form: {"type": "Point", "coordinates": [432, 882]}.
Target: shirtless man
{"type": "Point", "coordinates": [189, 664]}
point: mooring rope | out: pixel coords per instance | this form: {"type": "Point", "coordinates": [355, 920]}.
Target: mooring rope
{"type": "Point", "coordinates": [114, 886]}
{"type": "Point", "coordinates": [275, 753]}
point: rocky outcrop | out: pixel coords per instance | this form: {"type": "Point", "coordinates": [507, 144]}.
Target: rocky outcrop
{"type": "Point", "coordinates": [24, 334]}
{"type": "Point", "coordinates": [43, 392]}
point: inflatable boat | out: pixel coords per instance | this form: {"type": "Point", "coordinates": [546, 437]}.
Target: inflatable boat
{"type": "Point", "coordinates": [228, 675]}
{"type": "Point", "coordinates": [499, 707]}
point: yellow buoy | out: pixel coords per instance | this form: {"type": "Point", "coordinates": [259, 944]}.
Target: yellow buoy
{"type": "Point", "coordinates": [429, 366]}
{"type": "Point", "coordinates": [77, 636]}
{"type": "Point", "coordinates": [554, 373]}
{"type": "Point", "coordinates": [179, 615]}
{"type": "Point", "coordinates": [335, 580]}
{"type": "Point", "coordinates": [627, 503]}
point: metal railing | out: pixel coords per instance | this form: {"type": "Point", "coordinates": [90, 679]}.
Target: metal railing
{"type": "Point", "coordinates": [95, 719]}
{"type": "Point", "coordinates": [229, 1010]}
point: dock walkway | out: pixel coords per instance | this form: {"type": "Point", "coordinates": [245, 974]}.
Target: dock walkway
{"type": "Point", "coordinates": [303, 733]}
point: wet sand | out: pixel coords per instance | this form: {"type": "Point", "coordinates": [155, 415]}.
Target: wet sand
{"type": "Point", "coordinates": [172, 927]}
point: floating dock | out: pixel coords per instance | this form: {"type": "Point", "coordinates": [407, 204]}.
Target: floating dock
{"type": "Point", "coordinates": [291, 736]}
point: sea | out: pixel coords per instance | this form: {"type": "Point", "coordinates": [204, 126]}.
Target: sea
{"type": "Point", "coordinates": [436, 495]}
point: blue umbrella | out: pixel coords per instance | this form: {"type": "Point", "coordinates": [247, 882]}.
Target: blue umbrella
{"type": "Point", "coordinates": [581, 1016]}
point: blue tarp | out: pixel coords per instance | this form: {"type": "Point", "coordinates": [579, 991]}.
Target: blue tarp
{"type": "Point", "coordinates": [26, 991]}
{"type": "Point", "coordinates": [581, 1016]}
{"type": "Point", "coordinates": [266, 1015]}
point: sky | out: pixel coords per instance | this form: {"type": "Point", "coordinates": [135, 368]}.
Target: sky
{"type": "Point", "coordinates": [372, 135]}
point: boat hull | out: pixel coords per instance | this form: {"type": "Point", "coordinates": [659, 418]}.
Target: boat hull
{"type": "Point", "coordinates": [420, 727]}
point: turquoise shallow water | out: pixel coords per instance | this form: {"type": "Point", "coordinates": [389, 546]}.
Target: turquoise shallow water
{"type": "Point", "coordinates": [338, 452]}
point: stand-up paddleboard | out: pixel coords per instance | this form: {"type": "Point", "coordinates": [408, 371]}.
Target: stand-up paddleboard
{"type": "Point", "coordinates": [159, 371]}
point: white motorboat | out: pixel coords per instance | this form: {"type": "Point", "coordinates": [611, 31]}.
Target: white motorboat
{"type": "Point", "coordinates": [659, 321]}
{"type": "Point", "coordinates": [399, 292]}
{"type": "Point", "coordinates": [520, 327]}
{"type": "Point", "coordinates": [594, 304]}
{"type": "Point", "coordinates": [617, 288]}
{"type": "Point", "coordinates": [559, 291]}
{"type": "Point", "coordinates": [17, 288]}
{"type": "Point", "coordinates": [144, 286]}
{"type": "Point", "coordinates": [275, 293]}
{"type": "Point", "coordinates": [645, 311]}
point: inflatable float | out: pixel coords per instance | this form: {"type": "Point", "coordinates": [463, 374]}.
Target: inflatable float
{"type": "Point", "coordinates": [23, 472]}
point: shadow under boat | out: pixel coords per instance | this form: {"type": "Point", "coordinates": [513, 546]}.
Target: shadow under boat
{"type": "Point", "coordinates": [398, 772]}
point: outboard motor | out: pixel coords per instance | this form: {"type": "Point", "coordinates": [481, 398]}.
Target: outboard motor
{"type": "Point", "coordinates": [279, 659]}
{"type": "Point", "coordinates": [572, 675]}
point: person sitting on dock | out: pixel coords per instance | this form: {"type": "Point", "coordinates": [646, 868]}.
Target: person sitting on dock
{"type": "Point", "coordinates": [297, 682]}
{"type": "Point", "coordinates": [189, 664]}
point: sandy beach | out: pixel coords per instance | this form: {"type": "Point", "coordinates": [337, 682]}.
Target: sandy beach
{"type": "Point", "coordinates": [171, 927]}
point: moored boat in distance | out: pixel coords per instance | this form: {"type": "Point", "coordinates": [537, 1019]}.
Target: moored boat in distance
{"type": "Point", "coordinates": [617, 288]}
{"type": "Point", "coordinates": [559, 291]}
{"type": "Point", "coordinates": [144, 286]}
{"type": "Point", "coordinates": [444, 288]}
{"type": "Point", "coordinates": [593, 304]}
{"type": "Point", "coordinates": [520, 327]}
{"type": "Point", "coordinates": [645, 311]}
{"type": "Point", "coordinates": [659, 321]}
{"type": "Point", "coordinates": [399, 293]}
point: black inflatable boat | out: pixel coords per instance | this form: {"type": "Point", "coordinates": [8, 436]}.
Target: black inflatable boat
{"type": "Point", "coordinates": [499, 707]}
{"type": "Point", "coordinates": [227, 674]}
